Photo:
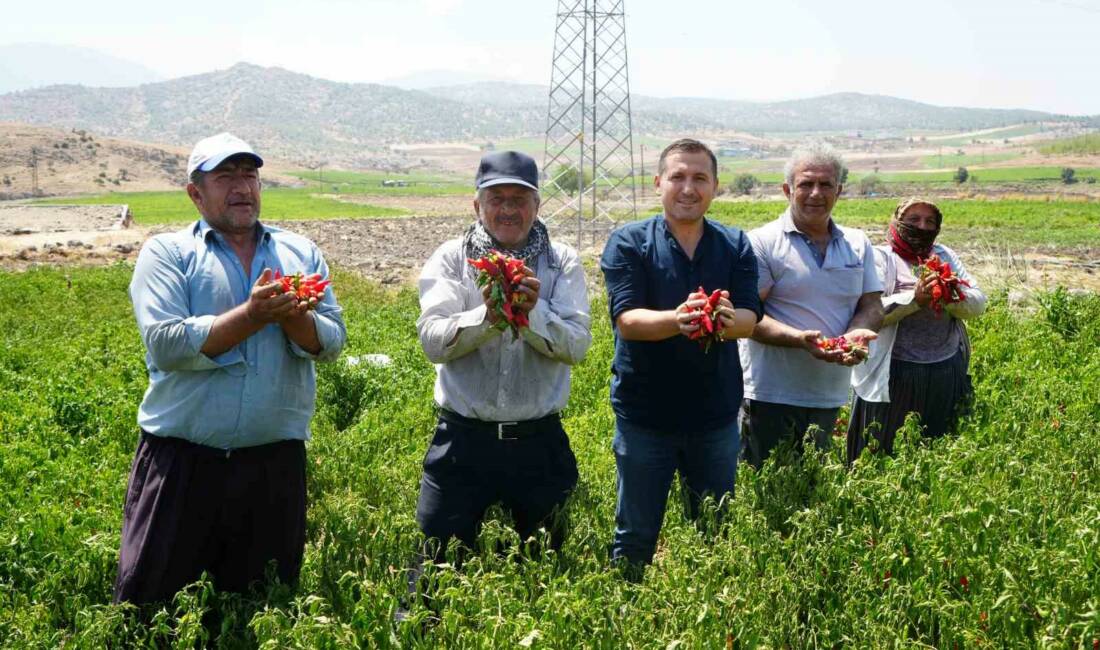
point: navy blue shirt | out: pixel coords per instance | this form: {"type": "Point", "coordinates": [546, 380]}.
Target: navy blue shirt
{"type": "Point", "coordinates": [672, 385]}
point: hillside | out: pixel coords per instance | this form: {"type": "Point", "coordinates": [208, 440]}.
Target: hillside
{"type": "Point", "coordinates": [306, 120]}
{"type": "Point", "coordinates": [289, 115]}
{"type": "Point", "coordinates": [835, 112]}
{"type": "Point", "coordinates": [77, 161]}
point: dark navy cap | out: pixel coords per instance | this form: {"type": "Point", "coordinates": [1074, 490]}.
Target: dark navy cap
{"type": "Point", "coordinates": [507, 167]}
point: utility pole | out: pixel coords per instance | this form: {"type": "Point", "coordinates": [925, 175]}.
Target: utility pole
{"type": "Point", "coordinates": [34, 171]}
{"type": "Point", "coordinates": [588, 123]}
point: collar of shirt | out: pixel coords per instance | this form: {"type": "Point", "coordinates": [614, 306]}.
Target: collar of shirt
{"type": "Point", "coordinates": [664, 231]}
{"type": "Point", "coordinates": [205, 231]}
{"type": "Point", "coordinates": [789, 227]}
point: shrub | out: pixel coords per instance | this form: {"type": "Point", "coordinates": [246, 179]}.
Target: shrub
{"type": "Point", "coordinates": [744, 184]}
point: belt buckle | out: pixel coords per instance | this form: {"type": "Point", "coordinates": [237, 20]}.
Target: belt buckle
{"type": "Point", "coordinates": [500, 430]}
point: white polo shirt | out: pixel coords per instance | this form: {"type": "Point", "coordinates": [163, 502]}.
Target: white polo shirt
{"type": "Point", "coordinates": [806, 292]}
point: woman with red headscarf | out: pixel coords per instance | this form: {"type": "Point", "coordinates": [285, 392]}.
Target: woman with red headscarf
{"type": "Point", "coordinates": [919, 363]}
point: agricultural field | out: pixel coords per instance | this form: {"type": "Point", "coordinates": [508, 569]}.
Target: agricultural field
{"type": "Point", "coordinates": [953, 160]}
{"type": "Point", "coordinates": [150, 208]}
{"type": "Point", "coordinates": [968, 224]}
{"type": "Point", "coordinates": [1081, 145]}
{"type": "Point", "coordinates": [990, 538]}
{"type": "Point", "coordinates": [384, 184]}
{"type": "Point", "coordinates": [985, 176]}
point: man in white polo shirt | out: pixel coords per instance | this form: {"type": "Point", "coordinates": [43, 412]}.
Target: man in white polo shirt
{"type": "Point", "coordinates": [816, 279]}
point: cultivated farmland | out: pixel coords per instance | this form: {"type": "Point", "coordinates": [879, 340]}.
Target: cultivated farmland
{"type": "Point", "coordinates": [990, 538]}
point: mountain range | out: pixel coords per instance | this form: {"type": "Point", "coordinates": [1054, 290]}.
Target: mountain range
{"type": "Point", "coordinates": [33, 65]}
{"type": "Point", "coordinates": [302, 118]}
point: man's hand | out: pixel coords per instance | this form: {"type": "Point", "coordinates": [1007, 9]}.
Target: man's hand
{"type": "Point", "coordinates": [266, 304]}
{"type": "Point", "coordinates": [858, 338]}
{"type": "Point", "coordinates": [688, 311]}
{"type": "Point", "coordinates": [529, 287]}
{"type": "Point", "coordinates": [726, 312]}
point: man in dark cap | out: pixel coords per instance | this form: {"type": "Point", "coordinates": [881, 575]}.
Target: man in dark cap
{"type": "Point", "coordinates": [499, 437]}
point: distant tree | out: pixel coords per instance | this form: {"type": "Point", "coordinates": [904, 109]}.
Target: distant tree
{"type": "Point", "coordinates": [743, 184]}
{"type": "Point", "coordinates": [843, 175]}
{"type": "Point", "coordinates": [568, 179]}
{"type": "Point", "coordinates": [961, 175]}
{"type": "Point", "coordinates": [1069, 175]}
{"type": "Point", "coordinates": [871, 185]}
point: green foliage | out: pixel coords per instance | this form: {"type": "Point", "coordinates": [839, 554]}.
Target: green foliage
{"type": "Point", "coordinates": [744, 184]}
{"type": "Point", "coordinates": [990, 538]}
{"type": "Point", "coordinates": [1068, 174]}
{"type": "Point", "coordinates": [871, 185]}
{"type": "Point", "coordinates": [278, 204]}
{"type": "Point", "coordinates": [569, 179]}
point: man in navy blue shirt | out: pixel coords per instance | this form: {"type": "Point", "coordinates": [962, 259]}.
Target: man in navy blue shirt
{"type": "Point", "coordinates": [675, 404]}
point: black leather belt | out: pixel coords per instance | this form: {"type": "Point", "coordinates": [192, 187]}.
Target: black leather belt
{"type": "Point", "coordinates": [504, 430]}
{"type": "Point", "coordinates": [239, 452]}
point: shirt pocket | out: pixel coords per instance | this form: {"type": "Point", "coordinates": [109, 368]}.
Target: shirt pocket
{"type": "Point", "coordinates": [845, 282]}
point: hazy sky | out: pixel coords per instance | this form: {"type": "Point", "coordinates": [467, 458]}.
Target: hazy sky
{"type": "Point", "coordinates": [1038, 54]}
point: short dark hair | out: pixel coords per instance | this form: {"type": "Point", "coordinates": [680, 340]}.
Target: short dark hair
{"type": "Point", "coordinates": [687, 145]}
{"type": "Point", "coordinates": [196, 176]}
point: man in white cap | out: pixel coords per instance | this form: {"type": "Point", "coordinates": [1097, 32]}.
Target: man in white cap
{"type": "Point", "coordinates": [499, 437]}
{"type": "Point", "coordinates": [218, 479]}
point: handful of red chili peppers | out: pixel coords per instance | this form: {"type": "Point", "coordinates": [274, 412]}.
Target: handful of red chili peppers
{"type": "Point", "coordinates": [308, 289]}
{"type": "Point", "coordinates": [946, 289]}
{"type": "Point", "coordinates": [710, 322]}
{"type": "Point", "coordinates": [503, 274]}
{"type": "Point", "coordinates": [843, 344]}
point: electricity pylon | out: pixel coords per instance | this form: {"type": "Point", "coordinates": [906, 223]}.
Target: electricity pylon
{"type": "Point", "coordinates": [588, 164]}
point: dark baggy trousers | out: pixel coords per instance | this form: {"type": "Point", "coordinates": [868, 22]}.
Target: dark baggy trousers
{"type": "Point", "coordinates": [527, 467]}
{"type": "Point", "coordinates": [765, 424]}
{"type": "Point", "coordinates": [191, 508]}
{"type": "Point", "coordinates": [938, 392]}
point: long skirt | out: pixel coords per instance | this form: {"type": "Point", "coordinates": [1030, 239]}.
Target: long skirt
{"type": "Point", "coordinates": [938, 392]}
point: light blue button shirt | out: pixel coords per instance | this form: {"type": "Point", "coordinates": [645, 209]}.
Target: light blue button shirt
{"type": "Point", "coordinates": [257, 392]}
{"type": "Point", "coordinates": [807, 291]}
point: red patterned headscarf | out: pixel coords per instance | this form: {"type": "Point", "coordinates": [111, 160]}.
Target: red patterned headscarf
{"type": "Point", "coordinates": [912, 244]}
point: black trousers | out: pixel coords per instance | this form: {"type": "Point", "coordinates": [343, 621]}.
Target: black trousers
{"type": "Point", "coordinates": [191, 508]}
{"type": "Point", "coordinates": [529, 468]}
{"type": "Point", "coordinates": [765, 424]}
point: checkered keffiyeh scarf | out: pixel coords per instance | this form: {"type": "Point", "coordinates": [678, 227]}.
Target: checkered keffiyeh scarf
{"type": "Point", "coordinates": [477, 242]}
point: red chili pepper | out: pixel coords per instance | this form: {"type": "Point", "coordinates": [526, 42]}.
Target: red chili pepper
{"type": "Point", "coordinates": [710, 322]}
{"type": "Point", "coordinates": [947, 288]}
{"type": "Point", "coordinates": [307, 289]}
{"type": "Point", "coordinates": [504, 273]}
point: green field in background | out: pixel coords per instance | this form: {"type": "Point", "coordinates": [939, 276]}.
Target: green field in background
{"type": "Point", "coordinates": [278, 204]}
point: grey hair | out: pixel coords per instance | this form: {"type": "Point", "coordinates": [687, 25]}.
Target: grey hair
{"type": "Point", "coordinates": [815, 153]}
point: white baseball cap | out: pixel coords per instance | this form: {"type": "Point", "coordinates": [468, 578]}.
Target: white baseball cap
{"type": "Point", "coordinates": [211, 152]}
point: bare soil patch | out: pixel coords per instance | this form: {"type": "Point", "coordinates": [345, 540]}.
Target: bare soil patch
{"type": "Point", "coordinates": [392, 251]}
